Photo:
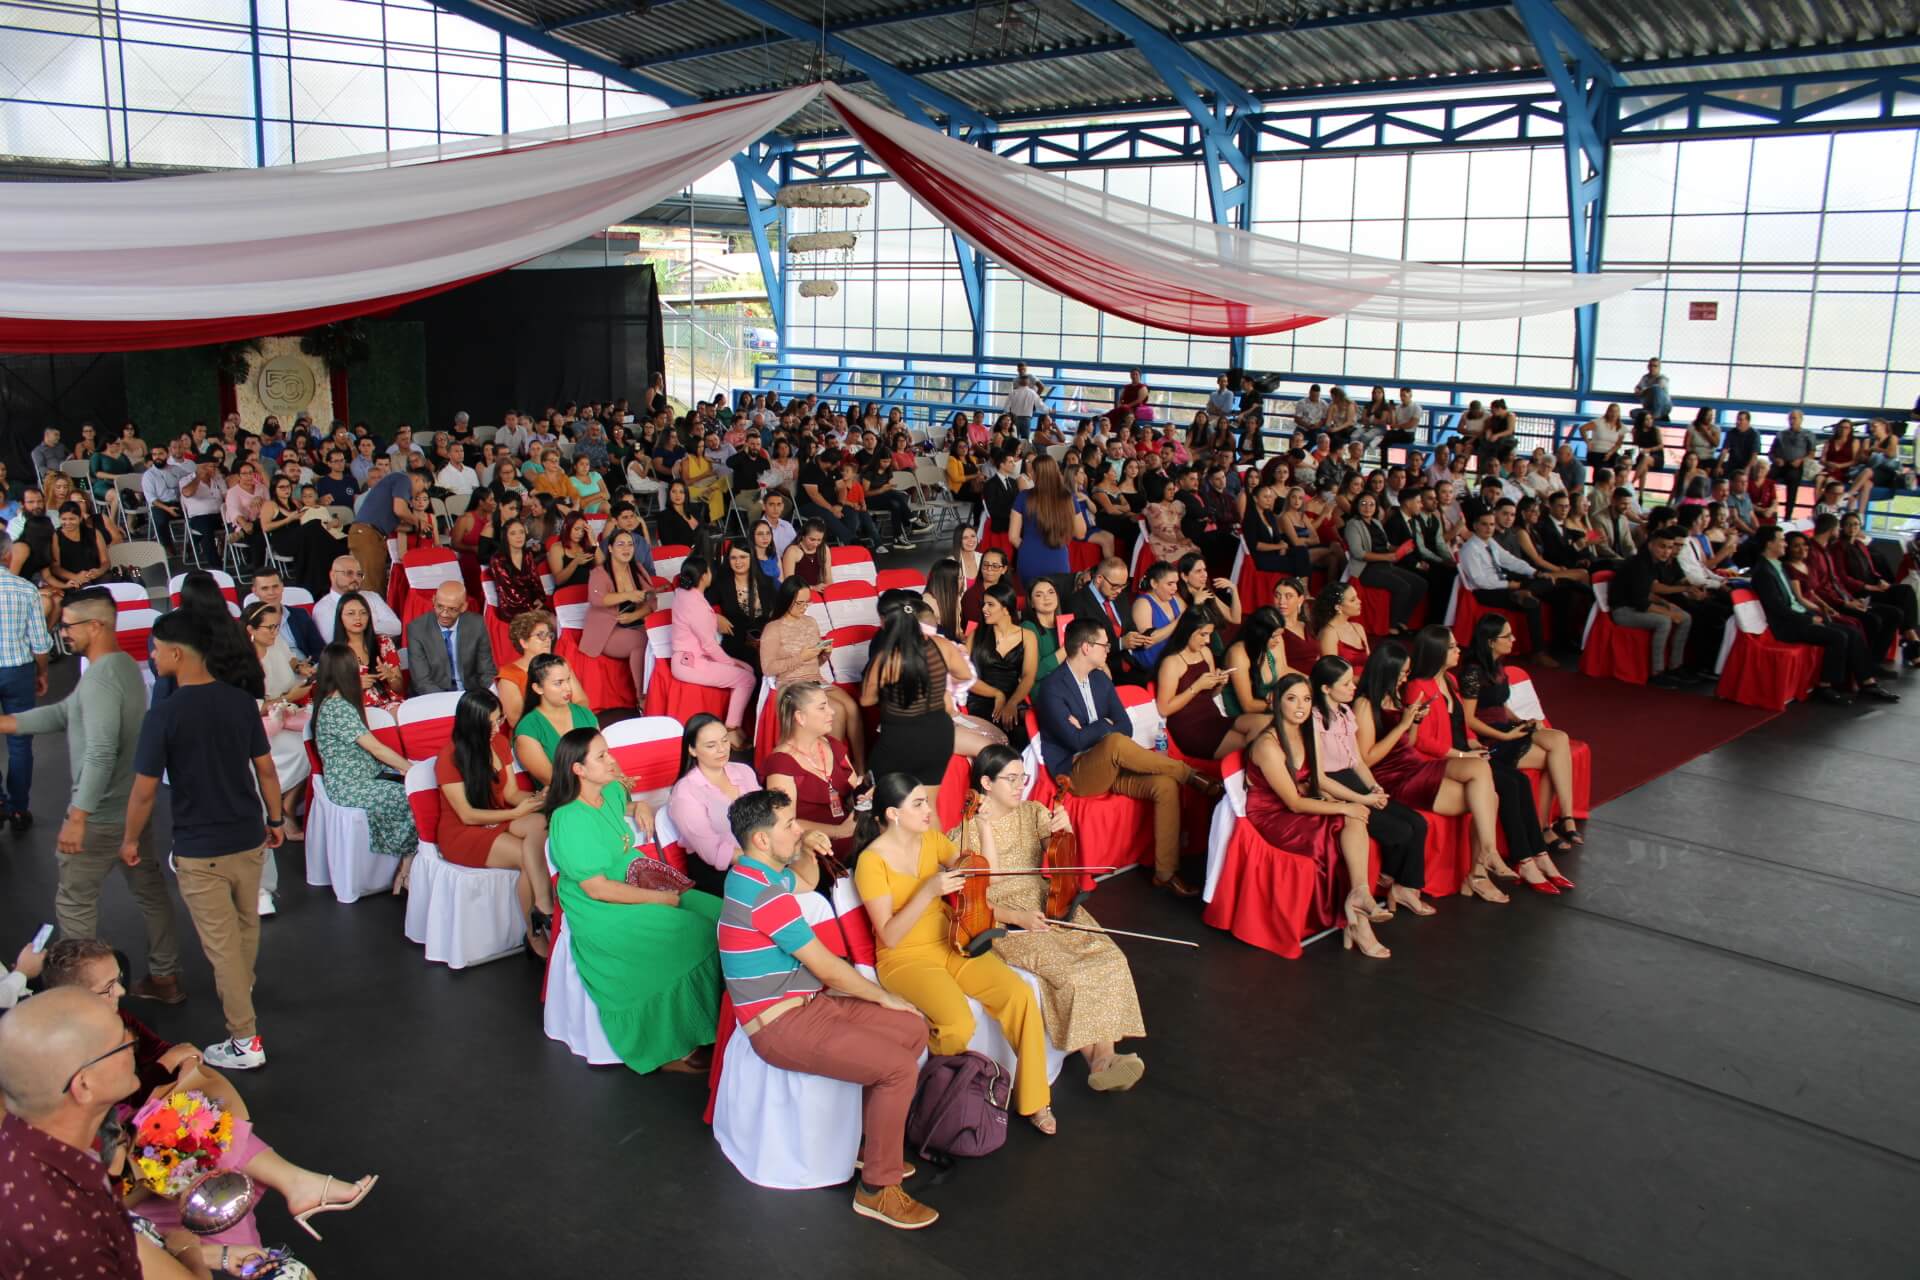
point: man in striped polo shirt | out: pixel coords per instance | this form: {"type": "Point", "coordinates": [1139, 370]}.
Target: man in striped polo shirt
{"type": "Point", "coordinates": [778, 974]}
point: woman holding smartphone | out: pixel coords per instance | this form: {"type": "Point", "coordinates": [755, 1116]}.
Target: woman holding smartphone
{"type": "Point", "coordinates": [791, 651]}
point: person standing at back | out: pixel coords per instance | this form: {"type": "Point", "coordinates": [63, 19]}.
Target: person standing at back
{"type": "Point", "coordinates": [24, 644]}
{"type": "Point", "coordinates": [101, 719]}
{"type": "Point", "coordinates": [220, 842]}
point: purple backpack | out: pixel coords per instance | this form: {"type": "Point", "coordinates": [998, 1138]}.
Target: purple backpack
{"type": "Point", "coordinates": [959, 1107]}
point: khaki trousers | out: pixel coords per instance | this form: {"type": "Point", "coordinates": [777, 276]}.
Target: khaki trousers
{"type": "Point", "coordinates": [1121, 766]}
{"type": "Point", "coordinates": [223, 897]}
{"type": "Point", "coordinates": [369, 546]}
{"type": "Point", "coordinates": [76, 902]}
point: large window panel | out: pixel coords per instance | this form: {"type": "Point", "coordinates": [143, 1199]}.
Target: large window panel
{"type": "Point", "coordinates": [1781, 237]}
{"type": "Point", "coordinates": [1871, 170]}
{"type": "Point", "coordinates": [1326, 190]}
{"type": "Point", "coordinates": [1771, 328]}
{"type": "Point", "coordinates": [1850, 331]}
{"type": "Point", "coordinates": [1862, 237]}
{"type": "Point", "coordinates": [1711, 176]}
{"type": "Point", "coordinates": [1438, 187]}
{"type": "Point", "coordinates": [1640, 178]}
{"type": "Point", "coordinates": [1789, 174]}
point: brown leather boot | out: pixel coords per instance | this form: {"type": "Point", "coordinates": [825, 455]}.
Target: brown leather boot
{"type": "Point", "coordinates": [166, 990]}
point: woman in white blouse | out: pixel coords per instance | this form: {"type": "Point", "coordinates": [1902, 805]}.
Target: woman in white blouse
{"type": "Point", "coordinates": [709, 782]}
{"type": "Point", "coordinates": [288, 683]}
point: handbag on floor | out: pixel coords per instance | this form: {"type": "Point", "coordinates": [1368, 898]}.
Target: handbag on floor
{"type": "Point", "coordinates": [959, 1107]}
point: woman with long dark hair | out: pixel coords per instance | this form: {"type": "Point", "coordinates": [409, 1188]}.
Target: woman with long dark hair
{"type": "Point", "coordinates": [1043, 521]}
{"type": "Point", "coordinates": [1004, 658]}
{"type": "Point", "coordinates": [381, 678]}
{"type": "Point", "coordinates": [1400, 832]}
{"type": "Point", "coordinates": [1255, 661]}
{"type": "Point", "coordinates": [902, 875]}
{"type": "Point", "coordinates": [1185, 686]}
{"type": "Point", "coordinates": [1334, 620]}
{"type": "Point", "coordinates": [351, 759]}
{"type": "Point", "coordinates": [1386, 723]}
{"type": "Point", "coordinates": [649, 958]}
{"type": "Point", "coordinates": [486, 820]}
{"type": "Point", "coordinates": [1285, 806]}
{"type": "Point", "coordinates": [907, 679]}
{"type": "Point", "coordinates": [698, 657]}
{"type": "Point", "coordinates": [791, 651]}
{"type": "Point", "coordinates": [1444, 732]}
{"type": "Point", "coordinates": [551, 712]}
{"type": "Point", "coordinates": [709, 781]}
{"type": "Point", "coordinates": [1515, 743]}
{"type": "Point", "coordinates": [516, 570]}
{"type": "Point", "coordinates": [744, 599]}
{"type": "Point", "coordinates": [230, 656]}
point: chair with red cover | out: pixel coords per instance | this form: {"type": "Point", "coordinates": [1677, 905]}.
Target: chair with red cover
{"type": "Point", "coordinates": [339, 853]}
{"type": "Point", "coordinates": [667, 560]}
{"type": "Point", "coordinates": [1376, 608]}
{"type": "Point", "coordinates": [852, 604]}
{"type": "Point", "coordinates": [1624, 653]}
{"type": "Point", "coordinates": [499, 630]}
{"type": "Point", "coordinates": [463, 916]}
{"type": "Point", "coordinates": [1524, 702]}
{"type": "Point", "coordinates": [647, 748]}
{"type": "Point", "coordinates": [900, 580]}
{"type": "Point", "coordinates": [766, 726]}
{"type": "Point", "coordinates": [225, 581]}
{"type": "Point", "coordinates": [667, 695]}
{"type": "Point", "coordinates": [1256, 585]}
{"type": "Point", "coordinates": [426, 723]}
{"type": "Point", "coordinates": [852, 564]}
{"type": "Point", "coordinates": [1466, 610]}
{"type": "Point", "coordinates": [607, 682]}
{"type": "Point", "coordinates": [1264, 896]}
{"type": "Point", "coordinates": [134, 618]}
{"type": "Point", "coordinates": [1757, 668]}
{"type": "Point", "coordinates": [426, 569]}
{"type": "Point", "coordinates": [1083, 557]}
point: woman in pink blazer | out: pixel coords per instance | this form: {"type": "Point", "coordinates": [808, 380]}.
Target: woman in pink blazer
{"type": "Point", "coordinates": [697, 655]}
{"type": "Point", "coordinates": [619, 597]}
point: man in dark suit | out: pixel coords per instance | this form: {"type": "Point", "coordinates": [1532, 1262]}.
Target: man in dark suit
{"type": "Point", "coordinates": [1087, 735]}
{"type": "Point", "coordinates": [296, 625]}
{"type": "Point", "coordinates": [448, 650]}
{"type": "Point", "coordinates": [1845, 648]}
{"type": "Point", "coordinates": [1104, 600]}
{"type": "Point", "coordinates": [1556, 544]}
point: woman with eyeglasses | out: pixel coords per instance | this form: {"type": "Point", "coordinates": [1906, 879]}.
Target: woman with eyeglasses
{"type": "Point", "coordinates": [486, 820]}
{"type": "Point", "coordinates": [1086, 986]}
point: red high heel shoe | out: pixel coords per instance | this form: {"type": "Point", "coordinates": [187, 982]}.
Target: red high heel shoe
{"type": "Point", "coordinates": [1542, 886]}
{"type": "Point", "coordinates": [1560, 883]}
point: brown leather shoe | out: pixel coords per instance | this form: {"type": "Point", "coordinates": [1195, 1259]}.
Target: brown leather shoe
{"type": "Point", "coordinates": [166, 990]}
{"type": "Point", "coordinates": [697, 1063]}
{"type": "Point", "coordinates": [894, 1207]}
{"type": "Point", "coordinates": [1174, 885]}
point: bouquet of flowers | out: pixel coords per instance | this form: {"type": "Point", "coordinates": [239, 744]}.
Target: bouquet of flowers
{"type": "Point", "coordinates": [177, 1137]}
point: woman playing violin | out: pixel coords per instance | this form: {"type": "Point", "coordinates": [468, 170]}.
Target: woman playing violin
{"type": "Point", "coordinates": [1084, 979]}
{"type": "Point", "coordinates": [904, 873]}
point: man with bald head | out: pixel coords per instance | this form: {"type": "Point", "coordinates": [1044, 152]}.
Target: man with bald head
{"type": "Point", "coordinates": [346, 577]}
{"type": "Point", "coordinates": [448, 650]}
{"type": "Point", "coordinates": [65, 1059]}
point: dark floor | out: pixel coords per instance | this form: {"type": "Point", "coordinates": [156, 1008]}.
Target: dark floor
{"type": "Point", "coordinates": [1701, 1064]}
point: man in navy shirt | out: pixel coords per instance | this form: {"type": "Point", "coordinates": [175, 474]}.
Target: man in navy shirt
{"type": "Point", "coordinates": [387, 508]}
{"type": "Point", "coordinates": [220, 839]}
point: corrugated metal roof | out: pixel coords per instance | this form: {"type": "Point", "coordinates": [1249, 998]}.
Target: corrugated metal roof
{"type": "Point", "coordinates": [1010, 58]}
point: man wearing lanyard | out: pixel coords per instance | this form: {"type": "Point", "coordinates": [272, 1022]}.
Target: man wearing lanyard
{"type": "Point", "coordinates": [448, 650]}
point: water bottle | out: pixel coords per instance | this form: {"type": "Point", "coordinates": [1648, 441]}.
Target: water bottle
{"type": "Point", "coordinates": [1160, 739]}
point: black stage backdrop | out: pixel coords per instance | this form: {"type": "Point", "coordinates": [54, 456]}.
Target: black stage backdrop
{"type": "Point", "coordinates": [529, 339]}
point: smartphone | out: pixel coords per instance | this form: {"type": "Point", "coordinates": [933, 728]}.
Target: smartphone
{"type": "Point", "coordinates": [42, 938]}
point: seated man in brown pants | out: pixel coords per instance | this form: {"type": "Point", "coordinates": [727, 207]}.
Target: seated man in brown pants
{"type": "Point", "coordinates": [1086, 735]}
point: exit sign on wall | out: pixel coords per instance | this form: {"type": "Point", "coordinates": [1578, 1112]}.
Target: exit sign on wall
{"type": "Point", "coordinates": [1703, 311]}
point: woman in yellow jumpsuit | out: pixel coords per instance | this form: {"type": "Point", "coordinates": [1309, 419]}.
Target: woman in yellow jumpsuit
{"type": "Point", "coordinates": [901, 875]}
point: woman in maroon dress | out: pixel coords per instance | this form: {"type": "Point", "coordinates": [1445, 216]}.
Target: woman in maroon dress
{"type": "Point", "coordinates": [1290, 598]}
{"type": "Point", "coordinates": [1284, 807]}
{"type": "Point", "coordinates": [1186, 690]}
{"type": "Point", "coordinates": [1334, 620]}
{"type": "Point", "coordinates": [811, 765]}
{"type": "Point", "coordinates": [516, 570]}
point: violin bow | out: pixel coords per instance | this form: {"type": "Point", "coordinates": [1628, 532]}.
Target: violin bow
{"type": "Point", "coordinates": [1115, 933]}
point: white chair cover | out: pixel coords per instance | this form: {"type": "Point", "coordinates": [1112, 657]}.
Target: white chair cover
{"type": "Point", "coordinates": [462, 915]}
{"type": "Point", "coordinates": [339, 852]}
{"type": "Point", "coordinates": [849, 662]}
{"type": "Point", "coordinates": [571, 1017]}
{"type": "Point", "coordinates": [427, 575]}
{"type": "Point", "coordinates": [861, 611]}
{"type": "Point", "coordinates": [1221, 829]}
{"type": "Point", "coordinates": [989, 1039]}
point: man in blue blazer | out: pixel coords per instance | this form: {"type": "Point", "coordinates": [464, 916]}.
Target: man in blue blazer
{"type": "Point", "coordinates": [1087, 735]}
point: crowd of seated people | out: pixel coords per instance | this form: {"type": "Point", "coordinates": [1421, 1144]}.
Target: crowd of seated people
{"type": "Point", "coordinates": [1350, 739]}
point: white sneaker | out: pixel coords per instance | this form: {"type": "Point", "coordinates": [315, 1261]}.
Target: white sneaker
{"type": "Point", "coordinates": [237, 1055]}
{"type": "Point", "coordinates": [267, 906]}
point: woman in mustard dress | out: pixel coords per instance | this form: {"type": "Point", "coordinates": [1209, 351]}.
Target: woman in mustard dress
{"type": "Point", "coordinates": [901, 875]}
{"type": "Point", "coordinates": [1085, 981]}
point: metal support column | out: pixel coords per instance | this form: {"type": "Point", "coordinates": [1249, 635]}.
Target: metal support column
{"type": "Point", "coordinates": [1223, 110]}
{"type": "Point", "coordinates": [758, 169]}
{"type": "Point", "coordinates": [1588, 87]}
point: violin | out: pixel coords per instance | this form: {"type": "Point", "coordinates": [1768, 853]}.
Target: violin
{"type": "Point", "coordinates": [1068, 885]}
{"type": "Point", "coordinates": [973, 925]}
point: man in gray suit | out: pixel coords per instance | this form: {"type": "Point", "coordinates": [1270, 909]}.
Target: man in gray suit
{"type": "Point", "coordinates": [448, 649]}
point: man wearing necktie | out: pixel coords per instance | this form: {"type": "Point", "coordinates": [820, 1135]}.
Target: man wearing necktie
{"type": "Point", "coordinates": [448, 650]}
{"type": "Point", "coordinates": [1104, 597]}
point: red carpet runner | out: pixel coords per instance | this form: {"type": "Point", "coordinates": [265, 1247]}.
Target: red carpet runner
{"type": "Point", "coordinates": [1637, 732]}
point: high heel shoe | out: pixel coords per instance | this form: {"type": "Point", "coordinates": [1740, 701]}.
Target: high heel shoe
{"type": "Point", "coordinates": [1560, 882]}
{"type": "Point", "coordinates": [1376, 912]}
{"type": "Point", "coordinates": [1351, 937]}
{"type": "Point", "coordinates": [1497, 867]}
{"type": "Point", "coordinates": [1412, 902]}
{"type": "Point", "coordinates": [1569, 830]}
{"type": "Point", "coordinates": [1479, 885]}
{"type": "Point", "coordinates": [362, 1189]}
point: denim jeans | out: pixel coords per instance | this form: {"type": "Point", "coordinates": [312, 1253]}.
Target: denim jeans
{"type": "Point", "coordinates": [16, 695]}
{"type": "Point", "coordinates": [855, 526]}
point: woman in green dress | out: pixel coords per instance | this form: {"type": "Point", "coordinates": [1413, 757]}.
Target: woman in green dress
{"type": "Point", "coordinates": [550, 713]}
{"type": "Point", "coordinates": [351, 759]}
{"type": "Point", "coordinates": [1255, 662]}
{"type": "Point", "coordinates": [650, 960]}
{"type": "Point", "coordinates": [1043, 623]}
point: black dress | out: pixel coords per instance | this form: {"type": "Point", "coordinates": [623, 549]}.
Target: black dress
{"type": "Point", "coordinates": [748, 617]}
{"type": "Point", "coordinates": [916, 737]}
{"type": "Point", "coordinates": [1002, 671]}
{"type": "Point", "coordinates": [76, 555]}
{"type": "Point", "coordinates": [1519, 819]}
{"type": "Point", "coordinates": [677, 530]}
{"type": "Point", "coordinates": [1490, 693]}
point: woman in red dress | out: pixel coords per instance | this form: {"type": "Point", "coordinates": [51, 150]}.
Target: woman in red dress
{"type": "Point", "coordinates": [812, 767]}
{"type": "Point", "coordinates": [1334, 620]}
{"type": "Point", "coordinates": [1284, 807]}
{"type": "Point", "coordinates": [486, 820]}
{"type": "Point", "coordinates": [1187, 688]}
{"type": "Point", "coordinates": [1387, 724]}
